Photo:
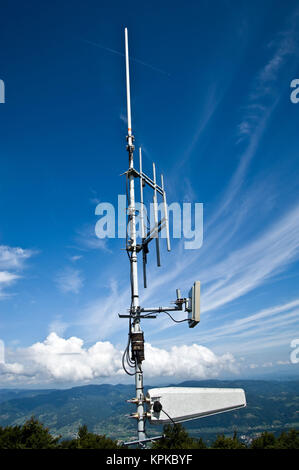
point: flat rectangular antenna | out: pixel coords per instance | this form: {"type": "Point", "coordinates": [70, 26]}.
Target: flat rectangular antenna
{"type": "Point", "coordinates": [165, 214]}
{"type": "Point", "coordinates": [156, 217]}
{"type": "Point", "coordinates": [194, 311]}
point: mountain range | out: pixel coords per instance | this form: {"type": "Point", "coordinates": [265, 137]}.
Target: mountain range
{"type": "Point", "coordinates": [271, 406]}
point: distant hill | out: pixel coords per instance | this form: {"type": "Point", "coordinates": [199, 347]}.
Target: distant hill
{"type": "Point", "coordinates": [8, 394]}
{"type": "Point", "coordinates": [271, 405]}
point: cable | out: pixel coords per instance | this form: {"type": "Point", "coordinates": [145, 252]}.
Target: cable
{"type": "Point", "coordinates": [176, 321]}
{"type": "Point", "coordinates": [126, 353]}
{"type": "Point", "coordinates": [124, 356]}
{"type": "Point", "coordinates": [167, 313]}
{"type": "Point", "coordinates": [169, 417]}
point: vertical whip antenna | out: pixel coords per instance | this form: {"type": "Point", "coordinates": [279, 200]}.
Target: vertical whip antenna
{"type": "Point", "coordinates": [128, 85]}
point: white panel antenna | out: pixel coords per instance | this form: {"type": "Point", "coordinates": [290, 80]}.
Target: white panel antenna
{"type": "Point", "coordinates": [194, 305]}
{"type": "Point", "coordinates": [179, 404]}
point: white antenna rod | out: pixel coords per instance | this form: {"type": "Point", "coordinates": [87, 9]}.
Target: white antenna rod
{"type": "Point", "coordinates": [128, 85]}
{"type": "Point", "coordinates": [165, 214]}
{"type": "Point", "coordinates": [156, 217]}
{"type": "Point", "coordinates": [141, 196]}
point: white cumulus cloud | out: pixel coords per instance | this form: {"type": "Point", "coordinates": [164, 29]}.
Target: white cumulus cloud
{"type": "Point", "coordinates": [194, 361]}
{"type": "Point", "coordinates": [67, 359]}
{"type": "Point", "coordinates": [57, 359]}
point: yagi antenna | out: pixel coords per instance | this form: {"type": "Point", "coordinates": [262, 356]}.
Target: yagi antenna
{"type": "Point", "coordinates": [152, 232]}
{"type": "Point", "coordinates": [142, 223]}
{"type": "Point", "coordinates": [174, 403]}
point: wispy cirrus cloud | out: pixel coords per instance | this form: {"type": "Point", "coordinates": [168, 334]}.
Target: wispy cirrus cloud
{"type": "Point", "coordinates": [12, 262]}
{"type": "Point", "coordinates": [230, 267]}
{"type": "Point", "coordinates": [248, 267]}
{"type": "Point", "coordinates": [13, 257]}
{"type": "Point", "coordinates": [99, 318]}
{"type": "Point", "coordinates": [212, 101]}
{"type": "Point", "coordinates": [264, 95]}
{"type": "Point", "coordinates": [86, 239]}
{"type": "Point", "coordinates": [227, 271]}
{"type": "Point", "coordinates": [269, 329]}
{"type": "Point", "coordinates": [266, 87]}
{"type": "Point", "coordinates": [58, 326]}
{"type": "Point", "coordinates": [75, 258]}
{"type": "Point", "coordinates": [138, 61]}
{"type": "Point", "coordinates": [7, 278]}
{"type": "Point", "coordinates": [230, 263]}
{"type": "Point", "coordinates": [69, 280]}
{"type": "Point", "coordinates": [262, 322]}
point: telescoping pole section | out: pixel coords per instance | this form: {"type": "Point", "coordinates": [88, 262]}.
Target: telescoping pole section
{"type": "Point", "coordinates": [136, 332]}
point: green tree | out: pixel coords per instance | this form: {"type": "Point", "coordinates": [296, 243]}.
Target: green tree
{"type": "Point", "coordinates": [223, 442]}
{"type": "Point", "coordinates": [176, 437]}
{"type": "Point", "coordinates": [31, 435]}
{"type": "Point", "coordinates": [88, 440]}
{"type": "Point", "coordinates": [288, 440]}
{"type": "Point", "coordinates": [266, 440]}
{"type": "Point", "coordinates": [10, 437]}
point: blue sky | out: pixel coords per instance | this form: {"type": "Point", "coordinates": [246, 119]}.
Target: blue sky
{"type": "Point", "coordinates": [211, 106]}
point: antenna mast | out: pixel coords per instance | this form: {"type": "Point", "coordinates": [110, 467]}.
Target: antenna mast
{"type": "Point", "coordinates": [135, 329]}
{"type": "Point", "coordinates": [136, 338]}
{"type": "Point", "coordinates": [182, 403]}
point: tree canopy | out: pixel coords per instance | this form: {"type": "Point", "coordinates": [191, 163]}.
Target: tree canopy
{"type": "Point", "coordinates": [34, 435]}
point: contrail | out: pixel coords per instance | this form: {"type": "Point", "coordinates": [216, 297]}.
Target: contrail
{"type": "Point", "coordinates": [123, 55]}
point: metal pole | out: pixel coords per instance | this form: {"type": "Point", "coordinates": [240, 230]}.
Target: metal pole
{"type": "Point", "coordinates": [133, 260]}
